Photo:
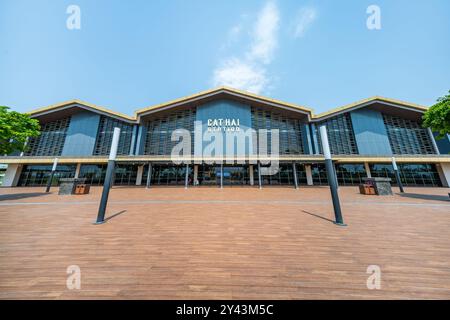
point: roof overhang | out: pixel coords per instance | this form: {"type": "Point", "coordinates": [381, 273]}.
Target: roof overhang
{"type": "Point", "coordinates": [378, 103]}
{"type": "Point", "coordinates": [72, 106]}
{"type": "Point", "coordinates": [290, 158]}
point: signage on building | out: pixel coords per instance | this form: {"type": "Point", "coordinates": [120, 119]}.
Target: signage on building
{"type": "Point", "coordinates": [223, 125]}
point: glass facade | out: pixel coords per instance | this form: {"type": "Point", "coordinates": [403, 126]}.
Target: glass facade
{"type": "Point", "coordinates": [340, 135]}
{"type": "Point", "coordinates": [284, 176]}
{"type": "Point", "coordinates": [350, 174]}
{"type": "Point", "coordinates": [319, 174]}
{"type": "Point", "coordinates": [125, 174]}
{"type": "Point", "coordinates": [410, 174]}
{"type": "Point", "coordinates": [38, 175]}
{"type": "Point", "coordinates": [209, 175]}
{"type": "Point", "coordinates": [159, 131]}
{"type": "Point", "coordinates": [407, 136]}
{"type": "Point", "coordinates": [168, 175]}
{"type": "Point", "coordinates": [290, 133]}
{"type": "Point", "coordinates": [93, 173]}
{"type": "Point", "coordinates": [105, 135]}
{"type": "Point", "coordinates": [51, 140]}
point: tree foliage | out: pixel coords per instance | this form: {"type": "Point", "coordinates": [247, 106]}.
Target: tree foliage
{"type": "Point", "coordinates": [15, 127]}
{"type": "Point", "coordinates": [438, 116]}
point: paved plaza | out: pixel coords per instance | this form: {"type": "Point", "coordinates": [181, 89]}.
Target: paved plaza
{"type": "Point", "coordinates": [231, 243]}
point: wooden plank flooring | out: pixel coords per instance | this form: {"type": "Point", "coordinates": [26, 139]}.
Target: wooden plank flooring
{"type": "Point", "coordinates": [235, 243]}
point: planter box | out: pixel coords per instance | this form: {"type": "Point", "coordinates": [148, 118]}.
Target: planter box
{"type": "Point", "coordinates": [382, 186]}
{"type": "Point", "coordinates": [68, 185]}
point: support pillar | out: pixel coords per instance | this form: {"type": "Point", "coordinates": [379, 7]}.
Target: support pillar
{"type": "Point", "coordinates": [77, 170]}
{"type": "Point", "coordinates": [259, 175]}
{"type": "Point", "coordinates": [251, 175]}
{"type": "Point", "coordinates": [294, 169]}
{"type": "Point", "coordinates": [149, 175]}
{"type": "Point", "coordinates": [221, 175]}
{"type": "Point", "coordinates": [12, 175]}
{"type": "Point", "coordinates": [433, 140]}
{"type": "Point", "coordinates": [367, 167]}
{"type": "Point", "coordinates": [309, 178]}
{"type": "Point", "coordinates": [186, 176]}
{"type": "Point", "coordinates": [444, 173]}
{"type": "Point", "coordinates": [140, 172]}
{"type": "Point", "coordinates": [25, 145]}
{"type": "Point", "coordinates": [195, 180]}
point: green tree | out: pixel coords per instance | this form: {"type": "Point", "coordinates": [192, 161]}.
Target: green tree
{"type": "Point", "coordinates": [15, 127]}
{"type": "Point", "coordinates": [438, 116]}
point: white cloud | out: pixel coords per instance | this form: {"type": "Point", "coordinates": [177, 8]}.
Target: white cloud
{"type": "Point", "coordinates": [305, 17]}
{"type": "Point", "coordinates": [249, 73]}
{"type": "Point", "coordinates": [242, 75]}
{"type": "Point", "coordinates": [265, 34]}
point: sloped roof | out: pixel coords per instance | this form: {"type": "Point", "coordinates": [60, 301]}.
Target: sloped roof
{"type": "Point", "coordinates": [232, 92]}
{"type": "Point", "coordinates": [365, 102]}
{"type": "Point", "coordinates": [81, 104]}
{"type": "Point", "coordinates": [220, 90]}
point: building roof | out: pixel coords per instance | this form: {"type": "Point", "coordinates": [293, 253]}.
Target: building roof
{"type": "Point", "coordinates": [220, 90]}
{"type": "Point", "coordinates": [232, 92]}
{"type": "Point", "coordinates": [81, 104]}
{"type": "Point", "coordinates": [365, 102]}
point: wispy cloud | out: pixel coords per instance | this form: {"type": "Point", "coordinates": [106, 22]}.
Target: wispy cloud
{"type": "Point", "coordinates": [241, 75]}
{"type": "Point", "coordinates": [305, 17]}
{"type": "Point", "coordinates": [265, 34]}
{"type": "Point", "coordinates": [249, 72]}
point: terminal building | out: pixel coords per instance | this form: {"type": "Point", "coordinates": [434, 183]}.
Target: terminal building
{"type": "Point", "coordinates": [363, 137]}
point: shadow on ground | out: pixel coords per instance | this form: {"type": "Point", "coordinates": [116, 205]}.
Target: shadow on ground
{"type": "Point", "coordinates": [18, 196]}
{"type": "Point", "coordinates": [115, 215]}
{"type": "Point", "coordinates": [425, 196]}
{"type": "Point", "coordinates": [317, 216]}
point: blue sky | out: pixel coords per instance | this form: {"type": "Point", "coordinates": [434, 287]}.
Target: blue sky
{"type": "Point", "coordinates": [132, 54]}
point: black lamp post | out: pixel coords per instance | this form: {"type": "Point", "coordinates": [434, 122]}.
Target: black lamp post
{"type": "Point", "coordinates": [52, 174]}
{"type": "Point", "coordinates": [397, 175]}
{"type": "Point", "coordinates": [331, 176]}
{"type": "Point", "coordinates": [108, 177]}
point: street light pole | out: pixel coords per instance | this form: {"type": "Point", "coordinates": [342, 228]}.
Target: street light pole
{"type": "Point", "coordinates": [397, 175]}
{"type": "Point", "coordinates": [109, 176]}
{"type": "Point", "coordinates": [52, 174]}
{"type": "Point", "coordinates": [331, 176]}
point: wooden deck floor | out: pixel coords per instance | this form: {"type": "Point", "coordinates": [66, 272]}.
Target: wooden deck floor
{"type": "Point", "coordinates": [235, 243]}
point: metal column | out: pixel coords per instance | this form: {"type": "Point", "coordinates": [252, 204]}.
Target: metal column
{"type": "Point", "coordinates": [186, 176]}
{"type": "Point", "coordinates": [259, 175]}
{"type": "Point", "coordinates": [108, 177]}
{"type": "Point", "coordinates": [397, 175]}
{"type": "Point", "coordinates": [332, 180]}
{"type": "Point", "coordinates": [221, 175]}
{"type": "Point", "coordinates": [294, 169]}
{"type": "Point", "coordinates": [52, 174]}
{"type": "Point", "coordinates": [149, 176]}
